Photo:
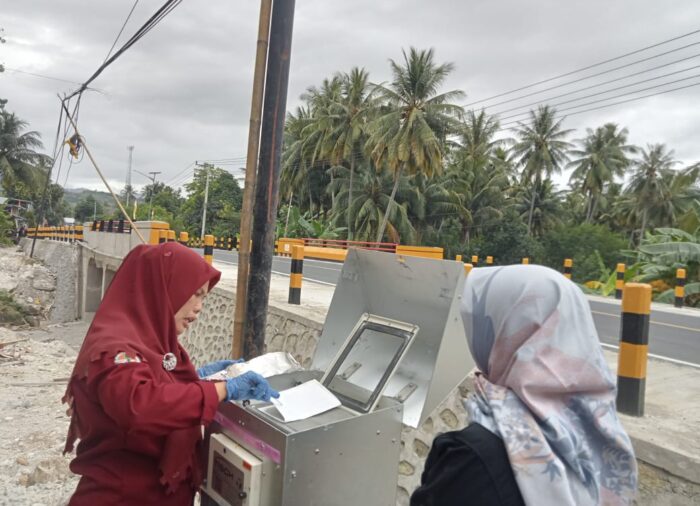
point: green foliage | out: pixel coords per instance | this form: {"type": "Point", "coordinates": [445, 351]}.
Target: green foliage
{"type": "Point", "coordinates": [593, 248]}
{"type": "Point", "coordinates": [508, 242]}
{"type": "Point", "coordinates": [88, 209]}
{"type": "Point", "coordinates": [10, 312]}
{"type": "Point", "coordinates": [7, 228]}
{"type": "Point", "coordinates": [223, 205]}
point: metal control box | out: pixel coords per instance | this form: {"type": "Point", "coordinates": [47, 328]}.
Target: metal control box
{"type": "Point", "coordinates": [392, 348]}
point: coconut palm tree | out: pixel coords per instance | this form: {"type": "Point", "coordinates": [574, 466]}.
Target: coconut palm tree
{"type": "Point", "coordinates": [601, 157]}
{"type": "Point", "coordinates": [409, 134]}
{"type": "Point", "coordinates": [546, 212]}
{"type": "Point", "coordinates": [371, 198]}
{"type": "Point", "coordinates": [20, 163]}
{"type": "Point", "coordinates": [540, 149]}
{"type": "Point", "coordinates": [648, 186]}
{"type": "Point", "coordinates": [346, 120]}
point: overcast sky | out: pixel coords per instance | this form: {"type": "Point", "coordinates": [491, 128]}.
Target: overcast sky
{"type": "Point", "coordinates": [183, 92]}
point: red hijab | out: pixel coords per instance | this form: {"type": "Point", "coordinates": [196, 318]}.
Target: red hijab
{"type": "Point", "coordinates": [136, 315]}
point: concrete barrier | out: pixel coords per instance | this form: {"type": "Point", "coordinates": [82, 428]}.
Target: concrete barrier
{"type": "Point", "coordinates": [420, 251]}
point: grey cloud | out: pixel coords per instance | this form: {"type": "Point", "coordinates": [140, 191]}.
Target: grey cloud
{"type": "Point", "coordinates": [182, 93]}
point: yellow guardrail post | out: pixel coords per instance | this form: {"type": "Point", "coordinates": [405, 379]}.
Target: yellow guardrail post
{"type": "Point", "coordinates": [184, 238]}
{"type": "Point", "coordinates": [526, 261]}
{"type": "Point", "coordinates": [209, 248]}
{"type": "Point", "coordinates": [680, 288]}
{"type": "Point", "coordinates": [619, 281]}
{"type": "Point", "coordinates": [468, 268]}
{"type": "Point", "coordinates": [296, 275]}
{"type": "Point", "coordinates": [568, 264]}
{"type": "Point", "coordinates": [458, 258]}
{"type": "Point", "coordinates": [475, 260]}
{"type": "Point", "coordinates": [634, 344]}
{"type": "Point", "coordinates": [489, 260]}
{"type": "Point", "coordinates": [171, 236]}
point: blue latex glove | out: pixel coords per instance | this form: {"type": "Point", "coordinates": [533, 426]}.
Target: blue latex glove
{"type": "Point", "coordinates": [249, 385]}
{"type": "Point", "coordinates": [220, 365]}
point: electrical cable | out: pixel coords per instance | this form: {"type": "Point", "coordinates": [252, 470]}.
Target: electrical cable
{"type": "Point", "coordinates": [34, 74]}
{"type": "Point", "coordinates": [607, 98]}
{"type": "Point", "coordinates": [163, 11]}
{"type": "Point", "coordinates": [595, 86]}
{"type": "Point", "coordinates": [503, 127]}
{"type": "Point", "coordinates": [121, 30]}
{"type": "Point", "coordinates": [610, 60]}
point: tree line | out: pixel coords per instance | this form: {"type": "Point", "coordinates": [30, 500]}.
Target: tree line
{"type": "Point", "coordinates": [403, 162]}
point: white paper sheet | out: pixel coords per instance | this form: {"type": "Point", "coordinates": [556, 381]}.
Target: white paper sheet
{"type": "Point", "coordinates": [304, 401]}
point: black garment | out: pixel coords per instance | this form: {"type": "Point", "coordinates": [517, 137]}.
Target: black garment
{"type": "Point", "coordinates": [468, 467]}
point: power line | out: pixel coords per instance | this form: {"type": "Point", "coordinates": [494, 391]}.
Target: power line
{"type": "Point", "coordinates": [121, 30]}
{"type": "Point", "coordinates": [503, 127]}
{"type": "Point", "coordinates": [34, 74]}
{"type": "Point", "coordinates": [606, 82]}
{"type": "Point", "coordinates": [164, 10]}
{"type": "Point", "coordinates": [591, 66]}
{"type": "Point", "coordinates": [608, 98]}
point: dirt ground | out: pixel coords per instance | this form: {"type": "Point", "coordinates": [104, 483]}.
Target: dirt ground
{"type": "Point", "coordinates": [35, 363]}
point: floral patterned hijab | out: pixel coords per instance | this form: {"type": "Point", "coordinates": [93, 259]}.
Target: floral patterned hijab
{"type": "Point", "coordinates": [544, 387]}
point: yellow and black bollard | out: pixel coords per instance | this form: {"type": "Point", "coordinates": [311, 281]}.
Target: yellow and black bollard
{"type": "Point", "coordinates": [475, 260]}
{"type": "Point", "coordinates": [209, 248]}
{"type": "Point", "coordinates": [526, 261]}
{"type": "Point", "coordinates": [296, 274]}
{"type": "Point", "coordinates": [568, 264]}
{"type": "Point", "coordinates": [184, 238]}
{"type": "Point", "coordinates": [171, 236]}
{"type": "Point", "coordinates": [680, 288]}
{"type": "Point", "coordinates": [468, 268]}
{"type": "Point", "coordinates": [489, 260]}
{"type": "Point", "coordinates": [619, 281]}
{"type": "Point", "coordinates": [162, 236]}
{"type": "Point", "coordinates": [634, 344]}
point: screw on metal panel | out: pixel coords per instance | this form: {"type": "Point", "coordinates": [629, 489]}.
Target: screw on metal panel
{"type": "Point", "coordinates": [379, 432]}
{"type": "Point", "coordinates": [294, 474]}
{"type": "Point", "coordinates": [317, 451]}
{"type": "Point", "coordinates": [393, 441]}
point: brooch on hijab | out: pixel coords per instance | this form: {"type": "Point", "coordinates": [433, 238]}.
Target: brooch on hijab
{"type": "Point", "coordinates": [169, 361]}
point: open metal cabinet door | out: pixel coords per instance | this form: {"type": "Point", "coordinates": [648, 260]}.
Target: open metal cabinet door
{"type": "Point", "coordinates": [365, 363]}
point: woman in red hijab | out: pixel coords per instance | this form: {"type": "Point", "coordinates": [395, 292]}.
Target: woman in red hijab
{"type": "Point", "coordinates": [138, 403]}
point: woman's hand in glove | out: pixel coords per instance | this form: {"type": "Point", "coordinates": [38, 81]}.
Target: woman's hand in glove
{"type": "Point", "coordinates": [249, 385]}
{"type": "Point", "coordinates": [214, 367]}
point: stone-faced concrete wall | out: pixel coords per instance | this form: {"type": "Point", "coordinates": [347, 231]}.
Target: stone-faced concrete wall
{"type": "Point", "coordinates": [62, 259]}
{"type": "Point", "coordinates": [209, 338]}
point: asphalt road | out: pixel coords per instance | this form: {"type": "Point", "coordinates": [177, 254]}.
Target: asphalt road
{"type": "Point", "coordinates": [673, 334]}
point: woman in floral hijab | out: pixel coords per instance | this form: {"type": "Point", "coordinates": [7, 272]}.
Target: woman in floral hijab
{"type": "Point", "coordinates": [544, 387]}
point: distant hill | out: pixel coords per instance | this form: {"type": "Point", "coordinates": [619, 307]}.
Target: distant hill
{"type": "Point", "coordinates": [74, 195]}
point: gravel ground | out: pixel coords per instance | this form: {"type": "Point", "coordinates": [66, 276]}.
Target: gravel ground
{"type": "Point", "coordinates": [33, 422]}
{"type": "Point", "coordinates": [33, 376]}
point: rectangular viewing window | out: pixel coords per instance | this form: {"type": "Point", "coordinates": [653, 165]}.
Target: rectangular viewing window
{"type": "Point", "coordinates": [365, 364]}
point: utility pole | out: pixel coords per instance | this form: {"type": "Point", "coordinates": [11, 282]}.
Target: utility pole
{"type": "Point", "coordinates": [206, 201]}
{"type": "Point", "coordinates": [153, 189]}
{"type": "Point", "coordinates": [249, 186]}
{"type": "Point", "coordinates": [152, 176]}
{"type": "Point", "coordinates": [268, 178]}
{"type": "Point", "coordinates": [128, 175]}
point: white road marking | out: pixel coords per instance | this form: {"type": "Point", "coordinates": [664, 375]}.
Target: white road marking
{"type": "Point", "coordinates": [658, 357]}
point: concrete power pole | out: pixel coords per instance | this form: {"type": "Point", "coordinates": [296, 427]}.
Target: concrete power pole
{"type": "Point", "coordinates": [153, 190]}
{"type": "Point", "coordinates": [128, 175]}
{"type": "Point", "coordinates": [206, 201]}
{"type": "Point", "coordinates": [268, 177]}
